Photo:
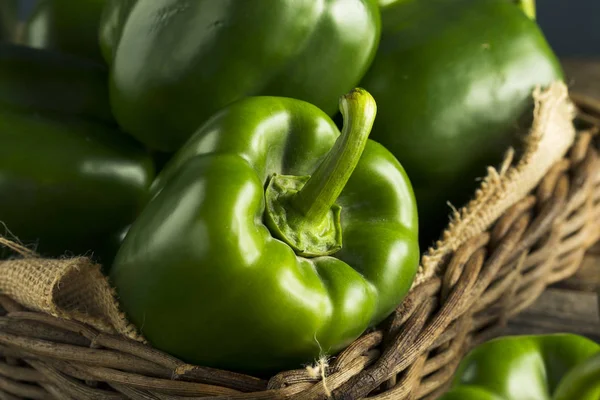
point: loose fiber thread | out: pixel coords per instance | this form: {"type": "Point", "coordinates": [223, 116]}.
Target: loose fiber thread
{"type": "Point", "coordinates": [318, 370]}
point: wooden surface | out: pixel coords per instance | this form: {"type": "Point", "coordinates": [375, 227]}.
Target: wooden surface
{"type": "Point", "coordinates": [571, 305]}
{"type": "Point", "coordinates": [583, 76]}
{"type": "Point", "coordinates": [558, 311]}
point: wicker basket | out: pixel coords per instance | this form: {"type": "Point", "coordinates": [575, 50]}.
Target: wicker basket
{"type": "Point", "coordinates": [413, 355]}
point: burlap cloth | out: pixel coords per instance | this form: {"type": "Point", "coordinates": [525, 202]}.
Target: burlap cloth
{"type": "Point", "coordinates": [76, 289]}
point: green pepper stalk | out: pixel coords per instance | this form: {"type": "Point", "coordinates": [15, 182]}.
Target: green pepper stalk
{"type": "Point", "coordinates": [301, 210]}
{"type": "Point", "coordinates": [528, 7]}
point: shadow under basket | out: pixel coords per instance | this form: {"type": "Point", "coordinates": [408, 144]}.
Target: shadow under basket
{"type": "Point", "coordinates": [540, 239]}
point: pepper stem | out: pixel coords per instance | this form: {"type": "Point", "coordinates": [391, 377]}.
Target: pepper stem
{"type": "Point", "coordinates": [528, 7]}
{"type": "Point", "coordinates": [323, 188]}
{"type": "Point", "coordinates": [582, 382]}
{"type": "Point", "coordinates": [301, 210]}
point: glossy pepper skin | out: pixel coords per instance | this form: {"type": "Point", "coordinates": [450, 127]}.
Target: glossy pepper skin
{"type": "Point", "coordinates": [175, 63]}
{"type": "Point", "coordinates": [69, 181]}
{"type": "Point", "coordinates": [452, 80]}
{"type": "Point", "coordinates": [68, 26]}
{"type": "Point", "coordinates": [205, 274]}
{"type": "Point", "coordinates": [545, 367]}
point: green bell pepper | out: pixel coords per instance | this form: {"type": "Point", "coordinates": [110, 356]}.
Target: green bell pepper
{"type": "Point", "coordinates": [9, 18]}
{"type": "Point", "coordinates": [175, 63]}
{"type": "Point", "coordinates": [452, 80]}
{"type": "Point", "coordinates": [271, 238]}
{"type": "Point", "coordinates": [546, 367]}
{"type": "Point", "coordinates": [69, 26]}
{"type": "Point", "coordinates": [69, 180]}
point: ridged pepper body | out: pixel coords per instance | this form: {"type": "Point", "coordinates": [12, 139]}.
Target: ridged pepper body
{"type": "Point", "coordinates": [175, 63]}
{"type": "Point", "coordinates": [205, 277]}
{"type": "Point", "coordinates": [454, 81]}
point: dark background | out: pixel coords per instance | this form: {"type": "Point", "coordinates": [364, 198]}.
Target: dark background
{"type": "Point", "coordinates": [571, 26]}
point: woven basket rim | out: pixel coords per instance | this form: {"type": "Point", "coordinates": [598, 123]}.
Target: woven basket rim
{"type": "Point", "coordinates": [59, 355]}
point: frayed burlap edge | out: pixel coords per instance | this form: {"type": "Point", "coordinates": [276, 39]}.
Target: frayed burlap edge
{"type": "Point", "coordinates": [69, 288]}
{"type": "Point", "coordinates": [548, 140]}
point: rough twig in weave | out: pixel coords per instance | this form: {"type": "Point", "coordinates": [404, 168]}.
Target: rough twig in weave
{"type": "Point", "coordinates": [76, 288]}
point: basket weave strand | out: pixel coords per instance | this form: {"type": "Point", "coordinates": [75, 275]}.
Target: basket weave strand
{"type": "Point", "coordinates": [539, 240]}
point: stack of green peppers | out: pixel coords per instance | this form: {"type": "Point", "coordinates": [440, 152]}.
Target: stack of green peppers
{"type": "Point", "coordinates": [70, 181]}
{"type": "Point", "coordinates": [301, 235]}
